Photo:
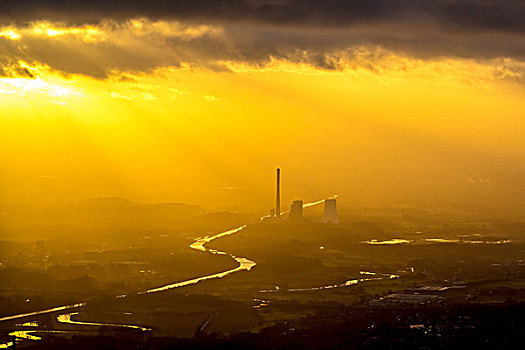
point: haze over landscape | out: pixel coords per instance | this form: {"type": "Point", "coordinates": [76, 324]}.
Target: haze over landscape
{"type": "Point", "coordinates": [139, 141]}
{"type": "Point", "coordinates": [158, 101]}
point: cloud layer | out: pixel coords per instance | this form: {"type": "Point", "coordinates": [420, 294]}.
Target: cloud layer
{"type": "Point", "coordinates": [478, 14]}
{"type": "Point", "coordinates": [96, 38]}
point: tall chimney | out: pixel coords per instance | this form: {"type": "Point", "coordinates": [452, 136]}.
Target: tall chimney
{"type": "Point", "coordinates": [278, 195]}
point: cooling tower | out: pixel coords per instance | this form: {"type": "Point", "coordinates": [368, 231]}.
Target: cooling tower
{"type": "Point", "coordinates": [330, 211]}
{"type": "Point", "coordinates": [296, 210]}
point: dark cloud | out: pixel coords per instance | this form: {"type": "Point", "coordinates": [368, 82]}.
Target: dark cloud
{"type": "Point", "coordinates": [326, 34]}
{"type": "Point", "coordinates": [326, 48]}
{"type": "Point", "coordinates": [506, 15]}
{"type": "Point", "coordinates": [72, 56]}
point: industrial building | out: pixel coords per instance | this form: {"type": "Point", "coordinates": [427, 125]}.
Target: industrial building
{"type": "Point", "coordinates": [330, 215]}
{"type": "Point", "coordinates": [296, 210]}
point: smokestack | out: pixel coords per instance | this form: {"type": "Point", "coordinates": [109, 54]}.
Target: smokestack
{"type": "Point", "coordinates": [278, 195]}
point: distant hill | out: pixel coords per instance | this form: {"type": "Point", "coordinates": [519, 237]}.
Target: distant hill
{"type": "Point", "coordinates": [112, 216]}
{"type": "Point", "coordinates": [100, 211]}
{"type": "Point", "coordinates": [119, 211]}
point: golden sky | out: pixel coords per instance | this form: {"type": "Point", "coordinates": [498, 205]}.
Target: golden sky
{"type": "Point", "coordinates": [203, 112]}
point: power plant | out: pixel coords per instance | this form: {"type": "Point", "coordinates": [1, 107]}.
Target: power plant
{"type": "Point", "coordinates": [296, 209]}
{"type": "Point", "coordinates": [330, 212]}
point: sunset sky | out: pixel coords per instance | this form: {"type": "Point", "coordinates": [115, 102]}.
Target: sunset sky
{"type": "Point", "coordinates": [379, 101]}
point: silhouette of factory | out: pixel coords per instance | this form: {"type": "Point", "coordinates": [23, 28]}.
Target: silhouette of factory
{"type": "Point", "coordinates": [330, 215]}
